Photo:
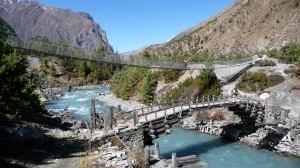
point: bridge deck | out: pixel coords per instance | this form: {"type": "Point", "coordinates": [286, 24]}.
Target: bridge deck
{"type": "Point", "coordinates": [176, 110]}
{"type": "Point", "coordinates": [162, 111]}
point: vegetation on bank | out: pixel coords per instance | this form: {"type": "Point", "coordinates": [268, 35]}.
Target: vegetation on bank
{"type": "Point", "coordinates": [93, 72]}
{"type": "Point", "coordinates": [206, 84]}
{"type": "Point", "coordinates": [254, 82]}
{"type": "Point", "coordinates": [265, 63]}
{"type": "Point", "coordinates": [171, 75]}
{"type": "Point", "coordinates": [290, 53]}
{"type": "Point", "coordinates": [140, 83]}
{"type": "Point", "coordinates": [17, 89]}
{"type": "Point", "coordinates": [126, 82]}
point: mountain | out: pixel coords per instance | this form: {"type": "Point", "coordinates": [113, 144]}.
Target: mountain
{"type": "Point", "coordinates": [244, 27]}
{"type": "Point", "coordinates": [132, 52]}
{"type": "Point", "coordinates": [31, 19]}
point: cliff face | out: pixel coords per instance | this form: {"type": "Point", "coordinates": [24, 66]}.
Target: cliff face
{"type": "Point", "coordinates": [30, 19]}
{"type": "Point", "coordinates": [244, 27]}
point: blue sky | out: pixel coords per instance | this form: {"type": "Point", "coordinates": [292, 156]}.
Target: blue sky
{"type": "Point", "coordinates": [132, 24]}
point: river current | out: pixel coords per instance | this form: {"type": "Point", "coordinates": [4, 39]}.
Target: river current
{"type": "Point", "coordinates": [218, 153]}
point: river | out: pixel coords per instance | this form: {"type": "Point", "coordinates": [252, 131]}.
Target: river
{"type": "Point", "coordinates": [78, 103]}
{"type": "Point", "coordinates": [218, 153]}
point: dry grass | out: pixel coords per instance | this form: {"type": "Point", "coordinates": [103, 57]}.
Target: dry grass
{"type": "Point", "coordinates": [202, 116]}
{"type": "Point", "coordinates": [140, 159]}
{"type": "Point", "coordinates": [85, 160]}
{"type": "Point", "coordinates": [115, 141]}
{"type": "Point", "coordinates": [218, 115]}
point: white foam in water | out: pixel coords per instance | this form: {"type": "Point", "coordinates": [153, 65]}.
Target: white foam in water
{"type": "Point", "coordinates": [82, 99]}
{"type": "Point", "coordinates": [78, 102]}
{"type": "Point", "coordinates": [68, 96]}
{"type": "Point", "coordinates": [78, 110]}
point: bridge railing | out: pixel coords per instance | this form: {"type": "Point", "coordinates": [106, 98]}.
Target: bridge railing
{"type": "Point", "coordinates": [199, 102]}
{"type": "Point", "coordinates": [204, 101]}
{"type": "Point", "coordinates": [56, 48]}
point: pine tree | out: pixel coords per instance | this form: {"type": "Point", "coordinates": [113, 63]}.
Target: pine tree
{"type": "Point", "coordinates": [148, 88]}
{"type": "Point", "coordinates": [17, 94]}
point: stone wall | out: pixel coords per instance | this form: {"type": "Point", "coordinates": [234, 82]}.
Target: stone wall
{"type": "Point", "coordinates": [134, 140]}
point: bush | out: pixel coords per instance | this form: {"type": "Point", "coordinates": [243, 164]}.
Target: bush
{"type": "Point", "coordinates": [124, 83]}
{"type": "Point", "coordinates": [206, 84]}
{"type": "Point", "coordinates": [171, 75]}
{"type": "Point", "coordinates": [266, 63]}
{"type": "Point", "coordinates": [254, 81]}
{"type": "Point", "coordinates": [140, 159]}
{"type": "Point", "coordinates": [52, 70]}
{"type": "Point", "coordinates": [218, 115]}
{"type": "Point", "coordinates": [17, 94]}
{"type": "Point", "coordinates": [202, 116]}
{"type": "Point", "coordinates": [289, 53]}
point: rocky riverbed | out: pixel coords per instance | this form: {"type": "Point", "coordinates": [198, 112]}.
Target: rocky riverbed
{"type": "Point", "coordinates": [112, 100]}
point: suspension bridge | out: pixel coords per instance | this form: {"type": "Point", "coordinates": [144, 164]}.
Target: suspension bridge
{"type": "Point", "coordinates": [225, 70]}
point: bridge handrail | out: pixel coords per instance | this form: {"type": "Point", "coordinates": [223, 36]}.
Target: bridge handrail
{"type": "Point", "coordinates": [213, 100]}
{"type": "Point", "coordinates": [73, 52]}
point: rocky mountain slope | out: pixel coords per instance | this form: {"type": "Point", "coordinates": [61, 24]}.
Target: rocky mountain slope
{"type": "Point", "coordinates": [244, 27]}
{"type": "Point", "coordinates": [30, 19]}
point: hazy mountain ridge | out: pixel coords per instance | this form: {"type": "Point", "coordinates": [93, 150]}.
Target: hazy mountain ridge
{"type": "Point", "coordinates": [244, 27]}
{"type": "Point", "coordinates": [30, 19]}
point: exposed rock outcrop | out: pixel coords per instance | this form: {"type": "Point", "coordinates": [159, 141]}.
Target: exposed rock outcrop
{"type": "Point", "coordinates": [31, 19]}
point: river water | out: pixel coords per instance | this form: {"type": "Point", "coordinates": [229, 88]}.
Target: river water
{"type": "Point", "coordinates": [218, 153]}
{"type": "Point", "coordinates": [78, 103]}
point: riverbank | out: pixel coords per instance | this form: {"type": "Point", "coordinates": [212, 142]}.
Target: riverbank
{"type": "Point", "coordinates": [46, 140]}
{"type": "Point", "coordinates": [274, 138]}
{"type": "Point", "coordinates": [112, 100]}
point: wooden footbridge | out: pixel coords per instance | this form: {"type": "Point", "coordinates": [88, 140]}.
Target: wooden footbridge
{"type": "Point", "coordinates": [158, 118]}
{"type": "Point", "coordinates": [225, 70]}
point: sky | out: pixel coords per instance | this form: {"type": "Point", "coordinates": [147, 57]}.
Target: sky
{"type": "Point", "coordinates": [132, 24]}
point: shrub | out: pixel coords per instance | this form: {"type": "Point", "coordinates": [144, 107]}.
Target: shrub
{"type": "Point", "coordinates": [17, 94]}
{"type": "Point", "coordinates": [52, 70]}
{"type": "Point", "coordinates": [254, 81]}
{"type": "Point", "coordinates": [124, 83]}
{"type": "Point", "coordinates": [115, 141]}
{"type": "Point", "coordinates": [266, 63]}
{"type": "Point", "coordinates": [171, 75]}
{"type": "Point", "coordinates": [206, 84]}
{"type": "Point", "coordinates": [140, 158]}
{"type": "Point", "coordinates": [202, 115]}
{"type": "Point", "coordinates": [289, 53]}
{"type": "Point", "coordinates": [218, 115]}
